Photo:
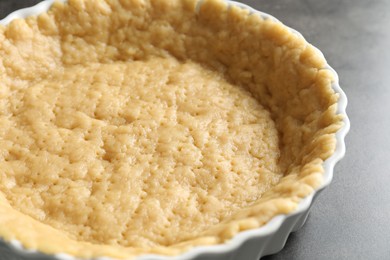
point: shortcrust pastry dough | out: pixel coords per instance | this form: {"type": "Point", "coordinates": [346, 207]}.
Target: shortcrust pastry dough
{"type": "Point", "coordinates": [152, 126]}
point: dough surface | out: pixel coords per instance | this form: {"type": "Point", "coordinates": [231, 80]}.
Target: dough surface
{"type": "Point", "coordinates": [136, 154]}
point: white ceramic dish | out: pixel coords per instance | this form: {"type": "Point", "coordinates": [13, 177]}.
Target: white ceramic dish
{"type": "Point", "coordinates": [249, 245]}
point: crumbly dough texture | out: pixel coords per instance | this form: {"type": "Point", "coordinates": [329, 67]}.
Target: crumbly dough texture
{"type": "Point", "coordinates": [152, 126]}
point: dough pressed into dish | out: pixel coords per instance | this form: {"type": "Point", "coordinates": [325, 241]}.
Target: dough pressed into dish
{"type": "Point", "coordinates": [152, 126]}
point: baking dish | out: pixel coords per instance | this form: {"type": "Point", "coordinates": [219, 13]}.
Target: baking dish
{"type": "Point", "coordinates": [249, 244]}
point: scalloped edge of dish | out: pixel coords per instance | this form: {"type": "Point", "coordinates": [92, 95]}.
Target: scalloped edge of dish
{"type": "Point", "coordinates": [252, 244]}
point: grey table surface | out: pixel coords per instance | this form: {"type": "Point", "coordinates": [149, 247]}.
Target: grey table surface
{"type": "Point", "coordinates": [351, 218]}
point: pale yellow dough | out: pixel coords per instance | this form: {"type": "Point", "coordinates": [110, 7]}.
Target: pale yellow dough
{"type": "Point", "coordinates": [133, 126]}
